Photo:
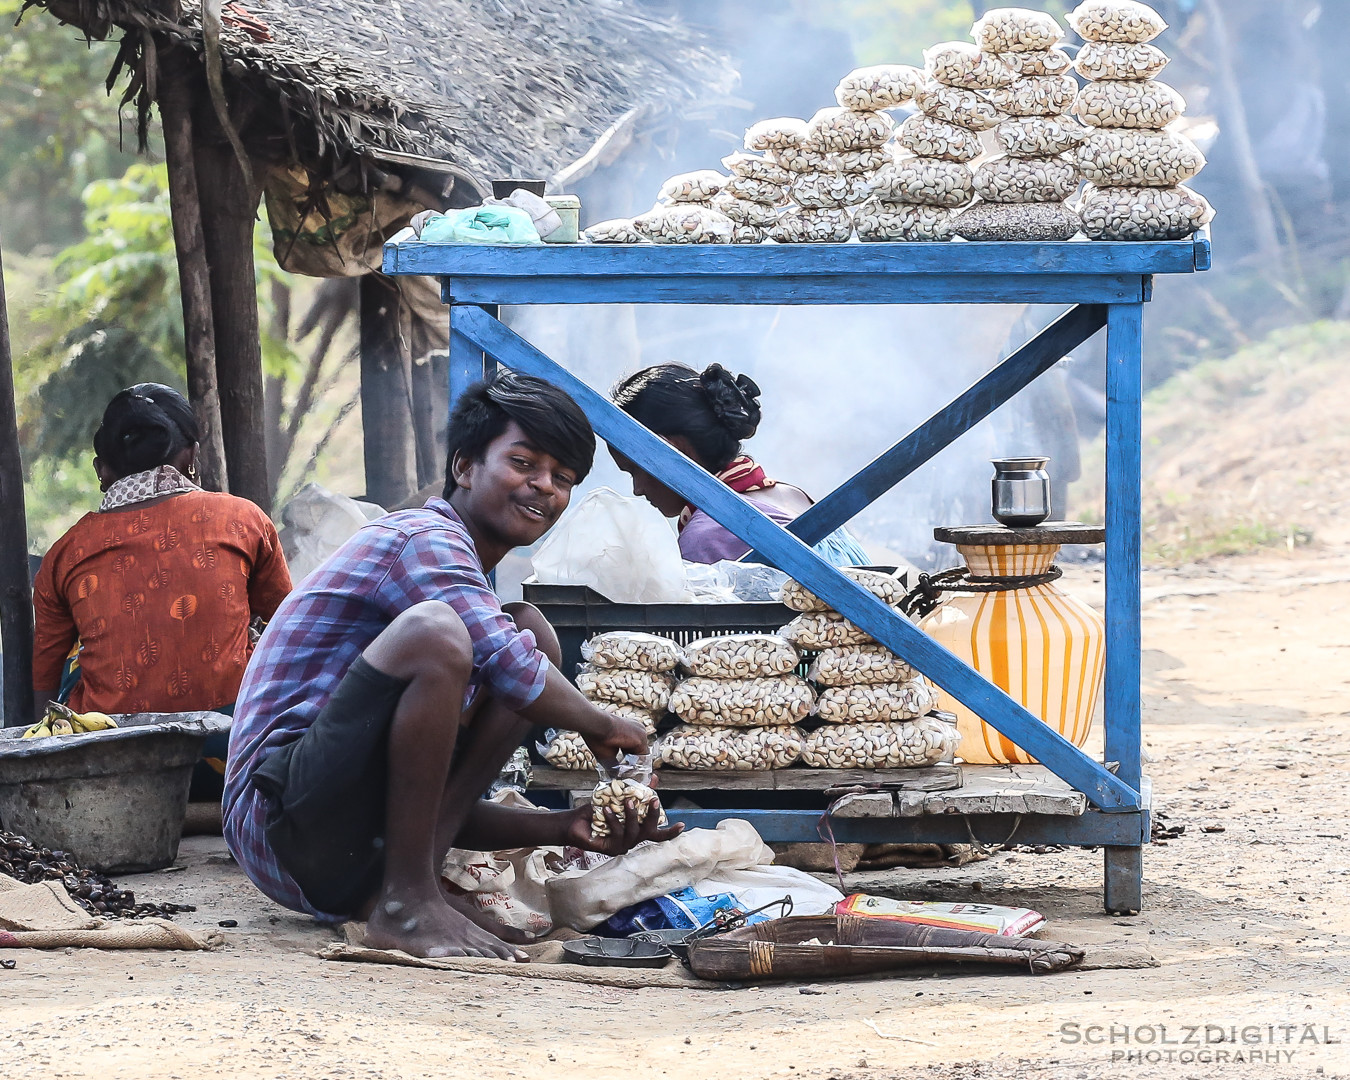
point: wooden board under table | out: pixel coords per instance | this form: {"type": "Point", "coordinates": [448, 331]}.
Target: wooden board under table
{"type": "Point", "coordinates": [937, 789]}
{"type": "Point", "coordinates": [932, 778]}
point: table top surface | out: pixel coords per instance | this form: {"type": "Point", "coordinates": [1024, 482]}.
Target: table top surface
{"type": "Point", "coordinates": [404, 254]}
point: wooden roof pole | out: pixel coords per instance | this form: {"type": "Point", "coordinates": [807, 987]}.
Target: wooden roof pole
{"type": "Point", "coordinates": [386, 380]}
{"type": "Point", "coordinates": [229, 207]}
{"type": "Point", "coordinates": [430, 455]}
{"type": "Point", "coordinates": [176, 87]}
{"type": "Point", "coordinates": [16, 593]}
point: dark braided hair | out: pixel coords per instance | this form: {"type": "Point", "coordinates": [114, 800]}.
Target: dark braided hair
{"type": "Point", "coordinates": [714, 409]}
{"type": "Point", "coordinates": [145, 426]}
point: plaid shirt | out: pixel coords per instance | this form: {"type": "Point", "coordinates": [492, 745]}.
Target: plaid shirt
{"type": "Point", "coordinates": [388, 566]}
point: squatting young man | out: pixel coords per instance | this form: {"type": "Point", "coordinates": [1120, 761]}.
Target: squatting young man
{"type": "Point", "coordinates": [391, 686]}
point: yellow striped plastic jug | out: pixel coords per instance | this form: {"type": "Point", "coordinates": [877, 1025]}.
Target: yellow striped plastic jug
{"type": "Point", "coordinates": [1040, 645]}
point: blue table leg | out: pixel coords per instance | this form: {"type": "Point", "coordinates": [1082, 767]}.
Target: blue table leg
{"type": "Point", "coordinates": [1121, 706]}
{"type": "Point", "coordinates": [1123, 889]}
{"type": "Point", "coordinates": [468, 363]}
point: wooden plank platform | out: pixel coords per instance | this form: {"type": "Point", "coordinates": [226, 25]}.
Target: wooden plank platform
{"type": "Point", "coordinates": [405, 254]}
{"type": "Point", "coordinates": [937, 790]}
{"type": "Point", "coordinates": [985, 789]}
{"type": "Point", "coordinates": [999, 789]}
{"type": "Point", "coordinates": [932, 778]}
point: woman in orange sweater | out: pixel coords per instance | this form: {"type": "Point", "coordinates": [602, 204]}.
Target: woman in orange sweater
{"type": "Point", "coordinates": [160, 584]}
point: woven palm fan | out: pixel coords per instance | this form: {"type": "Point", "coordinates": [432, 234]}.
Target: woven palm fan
{"type": "Point", "coordinates": [813, 946]}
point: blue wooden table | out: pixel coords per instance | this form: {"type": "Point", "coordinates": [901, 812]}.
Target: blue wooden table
{"type": "Point", "coordinates": [1108, 284]}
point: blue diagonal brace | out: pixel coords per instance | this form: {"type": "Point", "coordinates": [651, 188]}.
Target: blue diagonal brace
{"type": "Point", "coordinates": [922, 444]}
{"type": "Point", "coordinates": [468, 365]}
{"type": "Point", "coordinates": [700, 488]}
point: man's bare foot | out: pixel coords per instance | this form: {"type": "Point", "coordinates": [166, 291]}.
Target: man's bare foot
{"type": "Point", "coordinates": [463, 903]}
{"type": "Point", "coordinates": [431, 928]}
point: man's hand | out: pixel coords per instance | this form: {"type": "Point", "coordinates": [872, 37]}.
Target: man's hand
{"type": "Point", "coordinates": [623, 835]}
{"type": "Point", "coordinates": [621, 736]}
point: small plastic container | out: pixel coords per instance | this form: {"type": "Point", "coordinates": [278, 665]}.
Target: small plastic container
{"type": "Point", "coordinates": [569, 209]}
{"type": "Point", "coordinates": [501, 189]}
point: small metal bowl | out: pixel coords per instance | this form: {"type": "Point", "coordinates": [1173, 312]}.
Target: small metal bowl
{"type": "Point", "coordinates": [661, 937]}
{"type": "Point", "coordinates": [677, 941]}
{"type": "Point", "coordinates": [616, 952]}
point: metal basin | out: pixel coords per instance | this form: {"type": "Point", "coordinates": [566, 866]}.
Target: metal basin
{"type": "Point", "coordinates": [114, 799]}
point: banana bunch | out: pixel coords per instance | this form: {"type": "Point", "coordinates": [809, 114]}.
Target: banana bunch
{"type": "Point", "coordinates": [59, 720]}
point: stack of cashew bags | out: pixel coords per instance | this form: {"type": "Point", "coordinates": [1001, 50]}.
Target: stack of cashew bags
{"type": "Point", "coordinates": [751, 195]}
{"type": "Point", "coordinates": [835, 162]}
{"type": "Point", "coordinates": [924, 175]}
{"type": "Point", "coordinates": [872, 703]}
{"type": "Point", "coordinates": [1135, 167]}
{"type": "Point", "coordinates": [626, 673]}
{"type": "Point", "coordinates": [740, 705]}
{"type": "Point", "coordinates": [992, 152]}
{"type": "Point", "coordinates": [1022, 188]}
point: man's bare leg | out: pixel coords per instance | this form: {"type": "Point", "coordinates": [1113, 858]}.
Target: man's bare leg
{"type": "Point", "coordinates": [491, 736]}
{"type": "Point", "coordinates": [492, 733]}
{"type": "Point", "coordinates": [429, 646]}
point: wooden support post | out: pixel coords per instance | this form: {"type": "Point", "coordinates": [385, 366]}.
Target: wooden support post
{"type": "Point", "coordinates": [468, 363]}
{"type": "Point", "coordinates": [386, 378]}
{"type": "Point", "coordinates": [440, 380]}
{"type": "Point", "coordinates": [273, 388]}
{"type": "Point", "coordinates": [430, 458]}
{"type": "Point", "coordinates": [229, 208]}
{"type": "Point", "coordinates": [16, 594]}
{"type": "Point", "coordinates": [175, 90]}
{"type": "Point", "coordinates": [428, 388]}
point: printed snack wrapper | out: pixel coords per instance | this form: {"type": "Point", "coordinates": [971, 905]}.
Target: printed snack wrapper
{"type": "Point", "coordinates": [985, 918]}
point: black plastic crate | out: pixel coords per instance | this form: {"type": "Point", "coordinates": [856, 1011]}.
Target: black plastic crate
{"type": "Point", "coordinates": [578, 612]}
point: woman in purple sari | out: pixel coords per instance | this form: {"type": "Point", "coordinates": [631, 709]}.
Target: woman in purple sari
{"type": "Point", "coordinates": [706, 416]}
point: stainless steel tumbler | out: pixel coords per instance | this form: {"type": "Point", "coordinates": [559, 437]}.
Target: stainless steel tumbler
{"type": "Point", "coordinates": [1021, 489]}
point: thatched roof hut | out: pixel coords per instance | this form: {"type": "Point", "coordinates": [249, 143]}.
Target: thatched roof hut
{"type": "Point", "coordinates": [365, 111]}
{"type": "Point", "coordinates": [491, 87]}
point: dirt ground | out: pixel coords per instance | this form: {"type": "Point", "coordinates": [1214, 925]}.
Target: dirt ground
{"type": "Point", "coordinates": [1247, 681]}
{"type": "Point", "coordinates": [1251, 450]}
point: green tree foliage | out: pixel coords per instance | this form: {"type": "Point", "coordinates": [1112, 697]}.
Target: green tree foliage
{"type": "Point", "coordinates": [59, 130]}
{"type": "Point", "coordinates": [898, 31]}
{"type": "Point", "coordinates": [113, 317]}
{"type": "Point", "coordinates": [118, 290]}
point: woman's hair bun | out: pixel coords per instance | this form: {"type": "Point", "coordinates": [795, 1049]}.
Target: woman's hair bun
{"type": "Point", "coordinates": [734, 399]}
{"type": "Point", "coordinates": [144, 426]}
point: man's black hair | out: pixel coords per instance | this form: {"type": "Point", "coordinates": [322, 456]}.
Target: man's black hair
{"type": "Point", "coordinates": [145, 426]}
{"type": "Point", "coordinates": [547, 415]}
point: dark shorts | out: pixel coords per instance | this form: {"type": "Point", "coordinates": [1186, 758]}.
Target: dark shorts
{"type": "Point", "coordinates": [328, 791]}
